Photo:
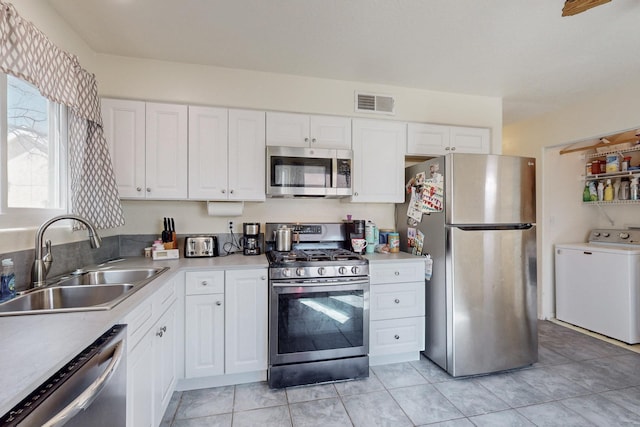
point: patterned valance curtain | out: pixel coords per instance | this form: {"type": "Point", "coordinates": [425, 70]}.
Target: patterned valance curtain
{"type": "Point", "coordinates": [28, 54]}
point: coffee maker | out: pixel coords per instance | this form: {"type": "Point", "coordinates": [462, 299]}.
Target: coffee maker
{"type": "Point", "coordinates": [354, 230]}
{"type": "Point", "coordinates": [251, 238]}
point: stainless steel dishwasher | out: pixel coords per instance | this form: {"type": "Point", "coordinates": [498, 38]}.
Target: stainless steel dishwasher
{"type": "Point", "coordinates": [90, 390]}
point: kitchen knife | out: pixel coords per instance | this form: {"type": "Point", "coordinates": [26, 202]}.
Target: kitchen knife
{"type": "Point", "coordinates": [165, 232]}
{"type": "Point", "coordinates": [172, 234]}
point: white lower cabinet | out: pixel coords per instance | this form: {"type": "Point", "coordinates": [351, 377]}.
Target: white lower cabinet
{"type": "Point", "coordinates": [226, 322]}
{"type": "Point", "coordinates": [397, 311]}
{"type": "Point", "coordinates": [151, 360]}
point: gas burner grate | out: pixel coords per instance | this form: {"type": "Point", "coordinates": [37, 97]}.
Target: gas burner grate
{"type": "Point", "coordinates": [313, 255]}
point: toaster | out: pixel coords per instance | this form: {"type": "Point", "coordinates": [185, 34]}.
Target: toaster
{"type": "Point", "coordinates": [200, 246]}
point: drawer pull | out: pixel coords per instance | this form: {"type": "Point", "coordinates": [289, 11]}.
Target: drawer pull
{"type": "Point", "coordinates": [397, 337]}
{"type": "Point", "coordinates": [397, 273]}
{"type": "Point", "coordinates": [397, 301]}
{"type": "Point", "coordinates": [218, 303]}
{"type": "Point", "coordinates": [159, 333]}
{"type": "Point", "coordinates": [163, 329]}
{"type": "Point", "coordinates": [204, 283]}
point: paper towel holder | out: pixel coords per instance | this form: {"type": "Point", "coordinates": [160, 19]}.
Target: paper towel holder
{"type": "Point", "coordinates": [224, 208]}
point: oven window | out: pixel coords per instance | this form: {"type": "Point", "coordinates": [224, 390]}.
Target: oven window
{"type": "Point", "coordinates": [300, 172]}
{"type": "Point", "coordinates": [320, 321]}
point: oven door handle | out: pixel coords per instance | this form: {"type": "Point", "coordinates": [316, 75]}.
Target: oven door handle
{"type": "Point", "coordinates": [319, 282]}
{"type": "Point", "coordinates": [90, 393]}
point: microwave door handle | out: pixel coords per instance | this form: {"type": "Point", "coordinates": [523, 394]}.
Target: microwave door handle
{"type": "Point", "coordinates": [90, 393]}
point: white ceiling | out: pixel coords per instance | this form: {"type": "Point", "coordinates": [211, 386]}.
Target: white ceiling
{"type": "Point", "coordinates": [520, 50]}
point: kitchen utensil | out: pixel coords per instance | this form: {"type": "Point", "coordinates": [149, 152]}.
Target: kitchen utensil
{"type": "Point", "coordinates": [283, 238]}
{"type": "Point", "coordinates": [251, 238]}
{"type": "Point", "coordinates": [200, 246]}
{"type": "Point", "coordinates": [358, 245]}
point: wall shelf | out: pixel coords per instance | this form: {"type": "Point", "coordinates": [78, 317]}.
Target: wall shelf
{"type": "Point", "coordinates": [613, 151]}
{"type": "Point", "coordinates": [613, 202]}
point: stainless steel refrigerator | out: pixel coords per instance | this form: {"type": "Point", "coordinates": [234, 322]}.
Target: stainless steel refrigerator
{"type": "Point", "coordinates": [474, 214]}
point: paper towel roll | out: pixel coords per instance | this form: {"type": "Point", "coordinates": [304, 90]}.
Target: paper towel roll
{"type": "Point", "coordinates": [225, 208]}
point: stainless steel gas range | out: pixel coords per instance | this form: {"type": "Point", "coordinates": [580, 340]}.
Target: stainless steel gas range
{"type": "Point", "coordinates": [318, 307]}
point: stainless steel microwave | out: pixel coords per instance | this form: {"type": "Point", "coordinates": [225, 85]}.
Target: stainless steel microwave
{"type": "Point", "coordinates": [308, 172]}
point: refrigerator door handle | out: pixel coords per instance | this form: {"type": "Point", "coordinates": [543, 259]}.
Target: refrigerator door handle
{"type": "Point", "coordinates": [493, 227]}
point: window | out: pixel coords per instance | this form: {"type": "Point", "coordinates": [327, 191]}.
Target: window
{"type": "Point", "coordinates": [34, 171]}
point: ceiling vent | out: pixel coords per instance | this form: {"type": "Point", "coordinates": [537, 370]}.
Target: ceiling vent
{"type": "Point", "coordinates": [371, 103]}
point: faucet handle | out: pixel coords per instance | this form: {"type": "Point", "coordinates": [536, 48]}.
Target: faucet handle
{"type": "Point", "coordinates": [48, 258]}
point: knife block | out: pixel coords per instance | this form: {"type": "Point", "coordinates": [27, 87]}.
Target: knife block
{"type": "Point", "coordinates": [173, 244]}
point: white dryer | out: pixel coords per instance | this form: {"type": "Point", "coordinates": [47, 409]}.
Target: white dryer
{"type": "Point", "coordinates": [598, 284]}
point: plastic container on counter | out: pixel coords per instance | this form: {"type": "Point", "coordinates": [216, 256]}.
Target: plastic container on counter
{"type": "Point", "coordinates": [394, 242]}
{"type": "Point", "coordinates": [7, 280]}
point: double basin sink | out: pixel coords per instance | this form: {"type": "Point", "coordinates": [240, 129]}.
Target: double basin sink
{"type": "Point", "coordinates": [85, 291]}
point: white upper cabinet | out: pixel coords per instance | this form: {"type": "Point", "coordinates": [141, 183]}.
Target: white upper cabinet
{"type": "Point", "coordinates": [301, 130]}
{"type": "Point", "coordinates": [436, 140]}
{"type": "Point", "coordinates": [470, 140]}
{"type": "Point", "coordinates": [247, 161]}
{"type": "Point", "coordinates": [378, 161]}
{"type": "Point", "coordinates": [166, 151]}
{"type": "Point", "coordinates": [208, 153]}
{"type": "Point", "coordinates": [226, 154]}
{"type": "Point", "coordinates": [124, 130]}
{"type": "Point", "coordinates": [148, 144]}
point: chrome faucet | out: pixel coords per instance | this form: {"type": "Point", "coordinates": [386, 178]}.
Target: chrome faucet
{"type": "Point", "coordinates": [42, 264]}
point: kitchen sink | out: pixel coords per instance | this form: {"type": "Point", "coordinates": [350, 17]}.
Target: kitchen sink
{"type": "Point", "coordinates": [90, 290]}
{"type": "Point", "coordinates": [107, 277]}
{"type": "Point", "coordinates": [67, 298]}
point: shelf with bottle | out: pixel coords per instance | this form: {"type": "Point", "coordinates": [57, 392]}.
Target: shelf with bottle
{"type": "Point", "coordinates": [622, 149]}
{"type": "Point", "coordinates": [620, 174]}
{"type": "Point", "coordinates": [606, 191]}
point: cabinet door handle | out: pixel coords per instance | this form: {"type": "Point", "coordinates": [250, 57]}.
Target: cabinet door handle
{"type": "Point", "coordinates": [453, 148]}
{"type": "Point", "coordinates": [397, 336]}
{"type": "Point", "coordinates": [204, 283]}
{"type": "Point", "coordinates": [447, 148]}
{"type": "Point", "coordinates": [159, 333]}
{"type": "Point", "coordinates": [397, 301]}
{"type": "Point", "coordinates": [231, 191]}
{"type": "Point", "coordinates": [148, 189]}
{"type": "Point", "coordinates": [263, 277]}
{"type": "Point", "coordinates": [163, 329]}
{"type": "Point", "coordinates": [138, 188]}
{"type": "Point", "coordinates": [218, 303]}
{"type": "Point", "coordinates": [397, 273]}
{"type": "Point", "coordinates": [306, 140]}
{"type": "Point", "coordinates": [224, 191]}
{"type": "Point", "coordinates": [355, 194]}
{"type": "Point", "coordinates": [313, 140]}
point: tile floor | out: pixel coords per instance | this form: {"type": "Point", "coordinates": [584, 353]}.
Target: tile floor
{"type": "Point", "coordinates": [578, 381]}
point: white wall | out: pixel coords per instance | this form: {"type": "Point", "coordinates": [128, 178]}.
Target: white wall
{"type": "Point", "coordinates": [196, 84]}
{"type": "Point", "coordinates": [561, 217]}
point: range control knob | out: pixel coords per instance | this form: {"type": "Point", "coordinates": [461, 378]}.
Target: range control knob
{"type": "Point", "coordinates": [322, 271]}
{"type": "Point", "coordinates": [300, 271]}
{"type": "Point", "coordinates": [596, 234]}
{"type": "Point", "coordinates": [355, 269]}
{"type": "Point", "coordinates": [286, 272]}
{"type": "Point", "coordinates": [623, 235]}
{"type": "Point", "coordinates": [606, 234]}
{"type": "Point", "coordinates": [342, 270]}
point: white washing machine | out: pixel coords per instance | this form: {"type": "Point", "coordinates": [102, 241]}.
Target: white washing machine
{"type": "Point", "coordinates": [597, 284]}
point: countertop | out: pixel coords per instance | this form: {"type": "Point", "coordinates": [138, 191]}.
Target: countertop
{"type": "Point", "coordinates": [391, 257]}
{"type": "Point", "coordinates": [34, 347]}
